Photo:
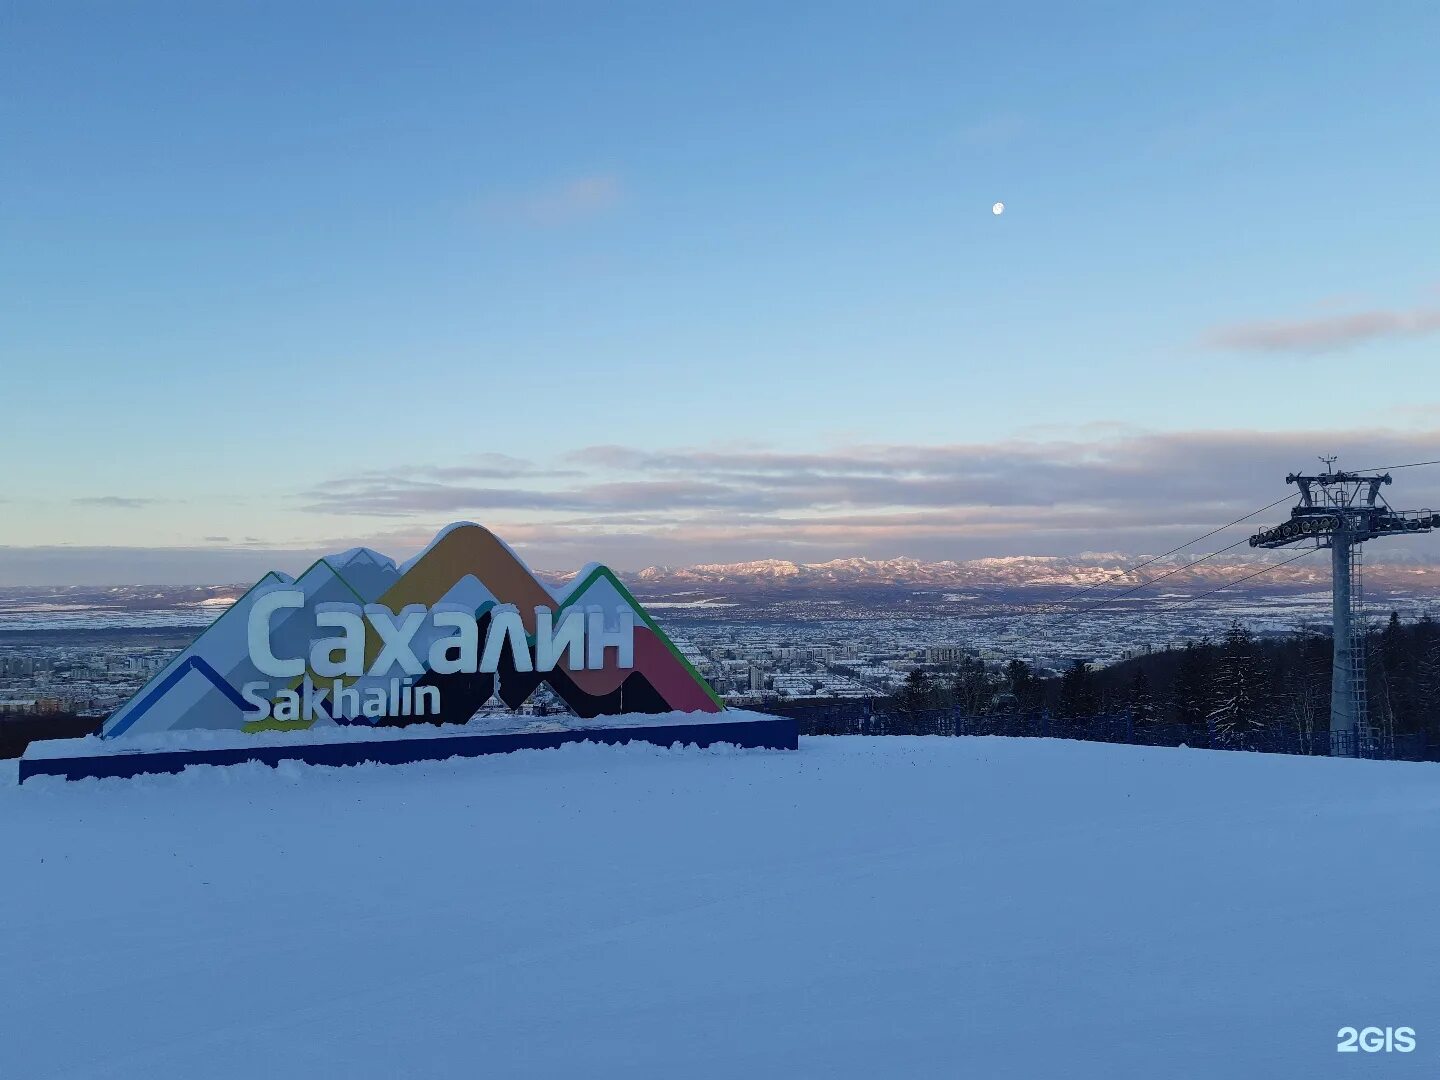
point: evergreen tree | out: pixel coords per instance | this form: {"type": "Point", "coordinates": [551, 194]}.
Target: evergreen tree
{"type": "Point", "coordinates": [1302, 692]}
{"type": "Point", "coordinates": [1399, 682]}
{"type": "Point", "coordinates": [1240, 714]}
{"type": "Point", "coordinates": [974, 688]}
{"type": "Point", "coordinates": [1140, 703]}
{"type": "Point", "coordinates": [1427, 679]}
{"type": "Point", "coordinates": [1078, 699]}
{"type": "Point", "coordinates": [911, 704]}
{"type": "Point", "coordinates": [1193, 692]}
{"type": "Point", "coordinates": [1392, 643]}
{"type": "Point", "coordinates": [1023, 684]}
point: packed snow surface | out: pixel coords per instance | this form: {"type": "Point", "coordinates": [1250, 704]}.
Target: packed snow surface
{"type": "Point", "coordinates": [894, 907]}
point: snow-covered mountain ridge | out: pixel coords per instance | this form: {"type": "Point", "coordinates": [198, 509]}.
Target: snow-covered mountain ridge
{"type": "Point", "coordinates": [1028, 570]}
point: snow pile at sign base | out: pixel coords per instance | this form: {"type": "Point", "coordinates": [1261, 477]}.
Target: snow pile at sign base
{"type": "Point", "coordinates": [507, 724]}
{"type": "Point", "coordinates": [894, 907]}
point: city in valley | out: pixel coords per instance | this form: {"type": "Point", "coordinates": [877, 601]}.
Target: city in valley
{"type": "Point", "coordinates": [771, 631]}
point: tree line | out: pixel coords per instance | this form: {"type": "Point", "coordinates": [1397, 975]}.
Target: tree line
{"type": "Point", "coordinates": [1238, 692]}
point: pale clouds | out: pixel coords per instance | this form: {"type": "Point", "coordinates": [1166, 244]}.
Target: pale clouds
{"type": "Point", "coordinates": [1054, 493]}
{"type": "Point", "coordinates": [1115, 490]}
{"type": "Point", "coordinates": [1325, 333]}
{"type": "Point", "coordinates": [115, 502]}
{"type": "Point", "coordinates": [562, 203]}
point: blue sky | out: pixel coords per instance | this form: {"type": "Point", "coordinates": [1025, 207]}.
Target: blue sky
{"type": "Point", "coordinates": [681, 283]}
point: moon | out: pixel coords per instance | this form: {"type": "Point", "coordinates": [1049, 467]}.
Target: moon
{"type": "Point", "coordinates": [998, 209]}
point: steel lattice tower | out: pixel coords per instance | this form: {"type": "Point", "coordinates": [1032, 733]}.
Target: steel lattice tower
{"type": "Point", "coordinates": [1342, 510]}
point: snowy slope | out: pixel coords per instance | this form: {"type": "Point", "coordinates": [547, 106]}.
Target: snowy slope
{"type": "Point", "coordinates": [862, 908]}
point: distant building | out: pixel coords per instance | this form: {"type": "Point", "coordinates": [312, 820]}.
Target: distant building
{"type": "Point", "coordinates": [944, 654]}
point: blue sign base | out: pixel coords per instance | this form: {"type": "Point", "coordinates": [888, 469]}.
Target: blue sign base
{"type": "Point", "coordinates": [773, 733]}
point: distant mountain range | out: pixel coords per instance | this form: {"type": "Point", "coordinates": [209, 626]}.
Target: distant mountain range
{"type": "Point", "coordinates": [1020, 571]}
{"type": "Point", "coordinates": [782, 576]}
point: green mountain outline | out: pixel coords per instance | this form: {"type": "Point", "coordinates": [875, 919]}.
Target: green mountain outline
{"type": "Point", "coordinates": [628, 597]}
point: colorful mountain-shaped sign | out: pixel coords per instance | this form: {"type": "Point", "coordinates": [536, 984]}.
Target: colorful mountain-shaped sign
{"type": "Point", "coordinates": [356, 639]}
